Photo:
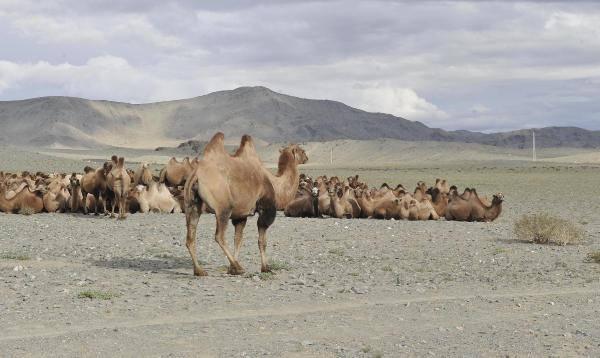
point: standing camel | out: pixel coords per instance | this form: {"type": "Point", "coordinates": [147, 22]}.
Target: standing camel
{"type": "Point", "coordinates": [286, 181]}
{"type": "Point", "coordinates": [234, 187]}
{"type": "Point", "coordinates": [118, 181]}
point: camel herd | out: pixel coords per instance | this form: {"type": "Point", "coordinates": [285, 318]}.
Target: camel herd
{"type": "Point", "coordinates": [354, 199]}
{"type": "Point", "coordinates": [233, 187]}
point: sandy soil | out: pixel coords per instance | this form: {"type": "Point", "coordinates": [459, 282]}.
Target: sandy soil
{"type": "Point", "coordinates": [348, 288]}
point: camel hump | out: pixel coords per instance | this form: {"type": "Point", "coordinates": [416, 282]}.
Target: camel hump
{"type": "Point", "coordinates": [216, 145]}
{"type": "Point", "coordinates": [88, 169]}
{"type": "Point", "coordinates": [120, 162]}
{"type": "Point", "coordinates": [246, 146]}
{"type": "Point", "coordinates": [114, 159]}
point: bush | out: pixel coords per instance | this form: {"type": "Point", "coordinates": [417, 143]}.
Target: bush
{"type": "Point", "coordinates": [593, 257]}
{"type": "Point", "coordinates": [547, 229]}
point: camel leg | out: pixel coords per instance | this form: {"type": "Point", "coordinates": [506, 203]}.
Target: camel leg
{"type": "Point", "coordinates": [265, 219]}
{"type": "Point", "coordinates": [112, 208]}
{"type": "Point", "coordinates": [191, 218]}
{"type": "Point", "coordinates": [234, 267]}
{"type": "Point", "coordinates": [239, 236]}
{"type": "Point", "coordinates": [85, 208]}
{"type": "Point", "coordinates": [122, 208]}
{"type": "Point", "coordinates": [262, 246]}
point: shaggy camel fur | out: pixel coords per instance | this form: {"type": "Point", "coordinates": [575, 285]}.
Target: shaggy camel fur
{"type": "Point", "coordinates": [235, 187]}
{"type": "Point", "coordinates": [25, 199]}
{"type": "Point", "coordinates": [285, 182]}
{"type": "Point", "coordinates": [143, 175]}
{"type": "Point", "coordinates": [56, 199]}
{"type": "Point", "coordinates": [155, 198]}
{"type": "Point", "coordinates": [176, 173]}
{"type": "Point", "coordinates": [118, 182]}
{"type": "Point", "coordinates": [340, 207]}
{"type": "Point", "coordinates": [94, 182]}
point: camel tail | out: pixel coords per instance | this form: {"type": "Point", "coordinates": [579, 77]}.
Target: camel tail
{"type": "Point", "coordinates": [188, 194]}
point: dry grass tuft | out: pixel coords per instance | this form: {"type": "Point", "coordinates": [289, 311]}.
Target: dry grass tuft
{"type": "Point", "coordinates": [547, 229]}
{"type": "Point", "coordinates": [593, 256]}
{"type": "Point", "coordinates": [26, 211]}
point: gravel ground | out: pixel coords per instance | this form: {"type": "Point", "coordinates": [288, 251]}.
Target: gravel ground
{"type": "Point", "coordinates": [348, 288]}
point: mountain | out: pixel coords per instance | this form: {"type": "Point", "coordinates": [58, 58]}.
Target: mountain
{"type": "Point", "coordinates": [267, 115]}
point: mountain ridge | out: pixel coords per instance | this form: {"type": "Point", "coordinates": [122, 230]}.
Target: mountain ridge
{"type": "Point", "coordinates": [62, 121]}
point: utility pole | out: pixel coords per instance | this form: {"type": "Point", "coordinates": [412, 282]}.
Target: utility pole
{"type": "Point", "coordinates": [533, 136]}
{"type": "Point", "coordinates": [331, 155]}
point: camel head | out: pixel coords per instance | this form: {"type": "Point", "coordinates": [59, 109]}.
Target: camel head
{"type": "Point", "coordinates": [498, 198]}
{"type": "Point", "coordinates": [315, 192]}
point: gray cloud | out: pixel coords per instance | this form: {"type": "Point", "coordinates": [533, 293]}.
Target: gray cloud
{"type": "Point", "coordinates": [471, 65]}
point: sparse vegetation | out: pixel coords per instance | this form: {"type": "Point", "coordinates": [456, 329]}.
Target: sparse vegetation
{"type": "Point", "coordinates": [26, 211]}
{"type": "Point", "coordinates": [547, 229]}
{"type": "Point", "coordinates": [98, 295]}
{"type": "Point", "coordinates": [593, 256]}
{"type": "Point", "coordinates": [279, 265]}
{"type": "Point", "coordinates": [387, 268]}
{"type": "Point", "coordinates": [265, 276]}
{"type": "Point", "coordinates": [14, 256]}
{"type": "Point", "coordinates": [337, 251]}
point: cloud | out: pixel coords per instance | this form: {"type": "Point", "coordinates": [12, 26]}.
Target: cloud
{"type": "Point", "coordinates": [457, 64]}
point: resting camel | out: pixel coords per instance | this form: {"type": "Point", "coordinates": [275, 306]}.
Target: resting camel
{"type": "Point", "coordinates": [56, 198]}
{"type": "Point", "coordinates": [472, 208]}
{"type": "Point", "coordinates": [24, 199]}
{"type": "Point", "coordinates": [340, 207]}
{"type": "Point", "coordinates": [285, 182]}
{"type": "Point", "coordinates": [118, 182]}
{"type": "Point", "coordinates": [439, 200]}
{"type": "Point", "coordinates": [306, 205]}
{"type": "Point", "coordinates": [155, 198]}
{"type": "Point", "coordinates": [235, 187]}
{"type": "Point", "coordinates": [176, 173]}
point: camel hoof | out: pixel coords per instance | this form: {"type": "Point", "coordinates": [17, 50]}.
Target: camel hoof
{"type": "Point", "coordinates": [95, 214]}
{"type": "Point", "coordinates": [265, 268]}
{"type": "Point", "coordinates": [200, 272]}
{"type": "Point", "coordinates": [235, 269]}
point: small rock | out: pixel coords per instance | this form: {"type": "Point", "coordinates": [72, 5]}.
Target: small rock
{"type": "Point", "coordinates": [359, 291]}
{"type": "Point", "coordinates": [18, 268]}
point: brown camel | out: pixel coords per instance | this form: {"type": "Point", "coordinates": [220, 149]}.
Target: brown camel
{"type": "Point", "coordinates": [176, 173]}
{"type": "Point", "coordinates": [469, 207]}
{"type": "Point", "coordinates": [439, 200]}
{"type": "Point", "coordinates": [25, 199]}
{"type": "Point", "coordinates": [235, 187]}
{"type": "Point", "coordinates": [94, 182]}
{"type": "Point", "coordinates": [118, 182]}
{"type": "Point", "coordinates": [306, 205]}
{"type": "Point", "coordinates": [285, 182]}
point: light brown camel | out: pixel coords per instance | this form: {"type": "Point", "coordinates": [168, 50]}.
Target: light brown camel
{"type": "Point", "coordinates": [469, 207]}
{"type": "Point", "coordinates": [305, 205]}
{"type": "Point", "coordinates": [235, 187]}
{"type": "Point", "coordinates": [142, 175]}
{"type": "Point", "coordinates": [285, 182]}
{"type": "Point", "coordinates": [25, 199]}
{"type": "Point", "coordinates": [56, 198]}
{"type": "Point", "coordinates": [118, 182]}
{"type": "Point", "coordinates": [176, 173]}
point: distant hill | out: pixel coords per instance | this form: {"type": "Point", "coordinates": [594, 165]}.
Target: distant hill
{"type": "Point", "coordinates": [269, 116]}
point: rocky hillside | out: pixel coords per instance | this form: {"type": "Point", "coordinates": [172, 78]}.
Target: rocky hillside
{"type": "Point", "coordinates": [268, 116]}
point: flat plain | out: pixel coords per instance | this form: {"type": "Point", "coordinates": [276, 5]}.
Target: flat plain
{"type": "Point", "coordinates": [74, 285]}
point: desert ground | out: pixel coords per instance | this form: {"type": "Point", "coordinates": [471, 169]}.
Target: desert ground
{"type": "Point", "coordinates": [342, 288]}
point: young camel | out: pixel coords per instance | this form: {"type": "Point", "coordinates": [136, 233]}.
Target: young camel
{"type": "Point", "coordinates": [94, 182]}
{"type": "Point", "coordinates": [118, 181]}
{"type": "Point", "coordinates": [235, 187]}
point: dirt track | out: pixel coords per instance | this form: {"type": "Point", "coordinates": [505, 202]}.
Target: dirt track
{"type": "Point", "coordinates": [347, 287]}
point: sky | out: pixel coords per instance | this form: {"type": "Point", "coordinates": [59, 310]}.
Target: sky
{"type": "Point", "coordinates": [476, 65]}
